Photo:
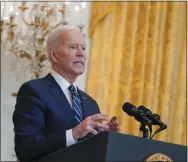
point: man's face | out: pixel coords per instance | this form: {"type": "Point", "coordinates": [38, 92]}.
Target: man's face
{"type": "Point", "coordinates": [70, 53]}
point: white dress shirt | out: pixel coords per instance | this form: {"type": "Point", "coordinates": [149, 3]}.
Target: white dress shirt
{"type": "Point", "coordinates": [64, 84]}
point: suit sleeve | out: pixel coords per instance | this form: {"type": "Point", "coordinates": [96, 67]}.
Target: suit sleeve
{"type": "Point", "coordinates": [31, 142]}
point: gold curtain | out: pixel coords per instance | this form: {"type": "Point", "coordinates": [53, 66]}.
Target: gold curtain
{"type": "Point", "coordinates": [138, 54]}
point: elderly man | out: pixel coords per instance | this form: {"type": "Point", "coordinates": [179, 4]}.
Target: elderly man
{"type": "Point", "coordinates": [51, 113]}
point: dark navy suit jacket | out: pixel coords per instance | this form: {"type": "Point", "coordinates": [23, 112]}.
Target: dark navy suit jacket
{"type": "Point", "coordinates": [41, 117]}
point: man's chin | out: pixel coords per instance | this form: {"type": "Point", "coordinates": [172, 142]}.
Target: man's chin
{"type": "Point", "coordinates": [79, 72]}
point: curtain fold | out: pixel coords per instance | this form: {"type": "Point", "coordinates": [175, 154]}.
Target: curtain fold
{"type": "Point", "coordinates": [98, 11]}
{"type": "Point", "coordinates": [138, 54]}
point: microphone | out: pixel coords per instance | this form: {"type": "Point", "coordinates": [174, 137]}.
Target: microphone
{"type": "Point", "coordinates": [155, 118]}
{"type": "Point", "coordinates": [139, 115]}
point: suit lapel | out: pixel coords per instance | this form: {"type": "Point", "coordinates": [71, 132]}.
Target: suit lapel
{"type": "Point", "coordinates": [59, 96]}
{"type": "Point", "coordinates": [63, 103]}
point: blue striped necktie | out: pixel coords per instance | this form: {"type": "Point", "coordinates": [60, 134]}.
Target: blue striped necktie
{"type": "Point", "coordinates": [76, 104]}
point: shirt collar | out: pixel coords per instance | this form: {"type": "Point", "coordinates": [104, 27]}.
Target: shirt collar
{"type": "Point", "coordinates": [63, 83]}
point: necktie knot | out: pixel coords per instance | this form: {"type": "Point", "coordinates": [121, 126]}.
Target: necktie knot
{"type": "Point", "coordinates": [72, 89]}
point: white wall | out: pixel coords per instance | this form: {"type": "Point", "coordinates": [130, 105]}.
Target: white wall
{"type": "Point", "coordinates": [9, 84]}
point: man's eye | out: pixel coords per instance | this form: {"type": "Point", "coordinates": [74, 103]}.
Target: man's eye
{"type": "Point", "coordinates": [72, 47]}
{"type": "Point", "coordinates": [83, 48]}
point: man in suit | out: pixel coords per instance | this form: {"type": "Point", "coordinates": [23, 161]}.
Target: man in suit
{"type": "Point", "coordinates": [51, 113]}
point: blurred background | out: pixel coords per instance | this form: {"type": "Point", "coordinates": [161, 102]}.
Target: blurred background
{"type": "Point", "coordinates": [137, 54]}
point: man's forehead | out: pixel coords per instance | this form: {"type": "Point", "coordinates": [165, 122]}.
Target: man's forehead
{"type": "Point", "coordinates": [73, 37]}
{"type": "Point", "coordinates": [74, 43]}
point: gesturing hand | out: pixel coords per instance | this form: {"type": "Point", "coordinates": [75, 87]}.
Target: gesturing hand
{"type": "Point", "coordinates": [89, 125]}
{"type": "Point", "coordinates": [113, 125]}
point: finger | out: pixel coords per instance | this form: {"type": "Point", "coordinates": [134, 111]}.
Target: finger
{"type": "Point", "coordinates": [117, 122]}
{"type": "Point", "coordinates": [103, 129]}
{"type": "Point", "coordinates": [118, 129]}
{"type": "Point", "coordinates": [100, 114]}
{"type": "Point", "coordinates": [100, 125]}
{"type": "Point", "coordinates": [92, 130]}
{"type": "Point", "coordinates": [114, 119]}
{"type": "Point", "coordinates": [100, 117]}
{"type": "Point", "coordinates": [111, 120]}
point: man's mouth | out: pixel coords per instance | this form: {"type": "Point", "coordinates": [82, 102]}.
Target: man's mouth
{"type": "Point", "coordinates": [80, 62]}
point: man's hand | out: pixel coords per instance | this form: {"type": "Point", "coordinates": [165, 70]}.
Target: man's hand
{"type": "Point", "coordinates": [89, 125]}
{"type": "Point", "coordinates": [113, 125]}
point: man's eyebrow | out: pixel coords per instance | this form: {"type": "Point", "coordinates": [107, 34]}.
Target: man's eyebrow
{"type": "Point", "coordinates": [71, 43]}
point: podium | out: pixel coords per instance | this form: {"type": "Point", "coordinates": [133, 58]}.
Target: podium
{"type": "Point", "coordinates": [117, 147]}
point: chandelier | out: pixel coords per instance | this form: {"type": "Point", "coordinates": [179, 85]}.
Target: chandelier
{"type": "Point", "coordinates": [24, 33]}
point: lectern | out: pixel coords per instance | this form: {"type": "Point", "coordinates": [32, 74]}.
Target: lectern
{"type": "Point", "coordinates": [117, 147]}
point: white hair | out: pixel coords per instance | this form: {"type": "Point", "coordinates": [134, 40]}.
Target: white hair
{"type": "Point", "coordinates": [53, 37]}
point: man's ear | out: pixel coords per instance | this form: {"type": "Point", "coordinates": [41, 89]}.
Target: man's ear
{"type": "Point", "coordinates": [53, 55]}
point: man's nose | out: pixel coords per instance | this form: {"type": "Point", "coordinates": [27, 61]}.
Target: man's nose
{"type": "Point", "coordinates": [80, 51]}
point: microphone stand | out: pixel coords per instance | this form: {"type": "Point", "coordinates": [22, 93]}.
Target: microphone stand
{"type": "Point", "coordinates": [144, 130]}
